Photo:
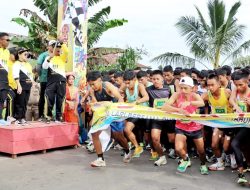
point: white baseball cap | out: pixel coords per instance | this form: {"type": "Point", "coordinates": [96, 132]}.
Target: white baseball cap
{"type": "Point", "coordinates": [187, 81]}
{"type": "Point", "coordinates": [51, 42]}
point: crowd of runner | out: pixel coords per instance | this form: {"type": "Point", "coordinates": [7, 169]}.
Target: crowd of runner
{"type": "Point", "coordinates": [179, 90]}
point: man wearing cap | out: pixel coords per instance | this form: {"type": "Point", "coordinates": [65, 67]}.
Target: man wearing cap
{"type": "Point", "coordinates": [56, 83]}
{"type": "Point", "coordinates": [4, 84]}
{"type": "Point", "coordinates": [43, 75]}
{"type": "Point", "coordinates": [186, 102]}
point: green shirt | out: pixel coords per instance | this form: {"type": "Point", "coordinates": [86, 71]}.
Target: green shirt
{"type": "Point", "coordinates": [44, 72]}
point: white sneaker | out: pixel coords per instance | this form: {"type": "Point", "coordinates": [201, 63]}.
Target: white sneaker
{"type": "Point", "coordinates": [233, 162]}
{"type": "Point", "coordinates": [161, 161]}
{"type": "Point", "coordinates": [90, 147]}
{"type": "Point", "coordinates": [217, 167]}
{"type": "Point", "coordinates": [11, 119]}
{"type": "Point", "coordinates": [172, 153]}
{"type": "Point", "coordinates": [118, 147]}
{"type": "Point", "coordinates": [98, 163]}
{"type": "Point", "coordinates": [127, 157]}
{"type": "Point", "coordinates": [23, 121]}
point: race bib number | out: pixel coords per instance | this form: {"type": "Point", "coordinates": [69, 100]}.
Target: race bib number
{"type": "Point", "coordinates": [158, 103]}
{"type": "Point", "coordinates": [220, 110]}
{"type": "Point", "coordinates": [242, 106]}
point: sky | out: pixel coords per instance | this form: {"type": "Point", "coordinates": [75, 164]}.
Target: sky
{"type": "Point", "coordinates": [151, 24]}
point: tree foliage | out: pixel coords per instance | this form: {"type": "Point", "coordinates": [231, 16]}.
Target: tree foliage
{"type": "Point", "coordinates": [209, 40]}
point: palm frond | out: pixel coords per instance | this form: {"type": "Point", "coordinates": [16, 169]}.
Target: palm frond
{"type": "Point", "coordinates": [192, 30]}
{"type": "Point", "coordinates": [100, 17]}
{"type": "Point", "coordinates": [175, 59]}
{"type": "Point", "coordinates": [93, 2]}
{"type": "Point", "coordinates": [216, 9]}
{"type": "Point", "coordinates": [230, 32]}
{"type": "Point", "coordinates": [243, 48]}
{"type": "Point", "coordinates": [203, 22]}
{"type": "Point", "coordinates": [241, 62]}
{"type": "Point", "coordinates": [95, 31]}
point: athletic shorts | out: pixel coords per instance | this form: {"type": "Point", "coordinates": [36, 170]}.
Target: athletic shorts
{"type": "Point", "coordinates": [117, 126]}
{"type": "Point", "coordinates": [230, 132]}
{"type": "Point", "coordinates": [190, 134]}
{"type": "Point", "coordinates": [141, 123]}
{"type": "Point", "coordinates": [168, 125]}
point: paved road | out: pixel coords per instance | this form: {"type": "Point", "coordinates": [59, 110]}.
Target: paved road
{"type": "Point", "coordinates": [69, 169]}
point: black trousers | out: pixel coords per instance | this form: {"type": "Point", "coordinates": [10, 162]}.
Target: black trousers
{"type": "Point", "coordinates": [10, 103]}
{"type": "Point", "coordinates": [55, 94]}
{"type": "Point", "coordinates": [238, 140]}
{"type": "Point", "coordinates": [42, 98]}
{"type": "Point", "coordinates": [21, 104]}
{"type": "Point", "coordinates": [3, 97]}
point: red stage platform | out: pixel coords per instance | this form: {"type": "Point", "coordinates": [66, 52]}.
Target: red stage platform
{"type": "Point", "coordinates": [16, 139]}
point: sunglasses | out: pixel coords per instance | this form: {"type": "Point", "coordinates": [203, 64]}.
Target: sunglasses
{"type": "Point", "coordinates": [6, 40]}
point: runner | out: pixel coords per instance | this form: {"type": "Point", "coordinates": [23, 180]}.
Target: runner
{"type": "Point", "coordinates": [144, 79]}
{"type": "Point", "coordinates": [240, 100]}
{"type": "Point", "coordinates": [223, 78]}
{"type": "Point", "coordinates": [218, 98]}
{"type": "Point", "coordinates": [169, 79]}
{"type": "Point", "coordinates": [187, 102]}
{"type": "Point", "coordinates": [158, 96]}
{"type": "Point", "coordinates": [136, 94]}
{"type": "Point", "coordinates": [105, 91]}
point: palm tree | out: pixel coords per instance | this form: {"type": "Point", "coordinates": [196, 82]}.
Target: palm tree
{"type": "Point", "coordinates": [40, 30]}
{"type": "Point", "coordinates": [210, 40]}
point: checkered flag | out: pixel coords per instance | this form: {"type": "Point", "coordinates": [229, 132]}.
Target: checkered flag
{"type": "Point", "coordinates": [74, 14]}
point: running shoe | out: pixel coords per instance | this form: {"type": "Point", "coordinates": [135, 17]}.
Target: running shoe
{"type": "Point", "coordinates": [137, 152]}
{"type": "Point", "coordinates": [171, 153]}
{"type": "Point", "coordinates": [233, 162]}
{"type": "Point", "coordinates": [99, 162]}
{"type": "Point", "coordinates": [204, 170]}
{"type": "Point", "coordinates": [118, 147]}
{"type": "Point", "coordinates": [127, 157]}
{"type": "Point", "coordinates": [161, 161]}
{"type": "Point", "coordinates": [24, 122]}
{"type": "Point", "coordinates": [184, 164]}
{"type": "Point", "coordinates": [148, 147]}
{"type": "Point", "coordinates": [241, 179]}
{"type": "Point", "coordinates": [217, 167]}
{"type": "Point", "coordinates": [154, 156]}
{"type": "Point", "coordinates": [90, 147]}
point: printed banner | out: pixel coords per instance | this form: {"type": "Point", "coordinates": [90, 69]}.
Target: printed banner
{"type": "Point", "coordinates": [72, 25]}
{"type": "Point", "coordinates": [107, 112]}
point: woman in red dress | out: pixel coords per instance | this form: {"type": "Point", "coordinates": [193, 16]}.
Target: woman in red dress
{"type": "Point", "coordinates": [72, 100]}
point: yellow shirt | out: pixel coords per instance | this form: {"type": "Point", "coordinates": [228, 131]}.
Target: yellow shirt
{"type": "Point", "coordinates": [220, 105]}
{"type": "Point", "coordinates": [4, 58]}
{"type": "Point", "coordinates": [12, 82]}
